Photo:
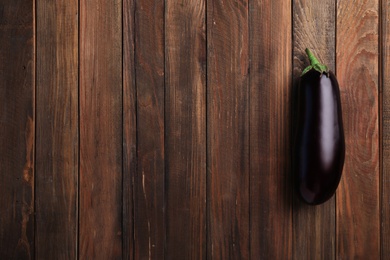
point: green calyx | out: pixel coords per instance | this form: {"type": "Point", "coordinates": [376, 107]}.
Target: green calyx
{"type": "Point", "coordinates": [314, 64]}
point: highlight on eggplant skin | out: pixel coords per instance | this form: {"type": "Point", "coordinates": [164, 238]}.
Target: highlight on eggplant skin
{"type": "Point", "coordinates": [318, 149]}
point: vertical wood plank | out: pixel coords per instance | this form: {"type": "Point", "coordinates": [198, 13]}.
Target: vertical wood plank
{"type": "Point", "coordinates": [100, 129]}
{"type": "Point", "coordinates": [129, 127]}
{"type": "Point", "coordinates": [56, 195]}
{"type": "Point", "coordinates": [17, 126]}
{"type": "Point", "coordinates": [228, 129]}
{"type": "Point", "coordinates": [185, 39]}
{"type": "Point", "coordinates": [385, 81]}
{"type": "Point", "coordinates": [270, 85]}
{"type": "Point", "coordinates": [314, 26]}
{"type": "Point", "coordinates": [149, 218]}
{"type": "Point", "coordinates": [358, 226]}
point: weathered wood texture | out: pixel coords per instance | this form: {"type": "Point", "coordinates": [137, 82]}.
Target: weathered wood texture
{"type": "Point", "coordinates": [228, 129]}
{"type": "Point", "coordinates": [385, 131]}
{"type": "Point", "coordinates": [100, 220]}
{"type": "Point", "coordinates": [129, 128]}
{"type": "Point", "coordinates": [357, 199]}
{"type": "Point", "coordinates": [57, 130]}
{"type": "Point", "coordinates": [270, 95]}
{"type": "Point", "coordinates": [314, 26]}
{"type": "Point", "coordinates": [162, 129]}
{"type": "Point", "coordinates": [185, 119]}
{"type": "Point", "coordinates": [149, 185]}
{"type": "Point", "coordinates": [17, 126]}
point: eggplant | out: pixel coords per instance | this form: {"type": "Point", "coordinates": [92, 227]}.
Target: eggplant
{"type": "Point", "coordinates": [318, 149]}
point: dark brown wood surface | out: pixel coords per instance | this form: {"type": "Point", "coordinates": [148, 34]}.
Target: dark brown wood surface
{"type": "Point", "coordinates": [358, 208]}
{"type": "Point", "coordinates": [17, 126]}
{"type": "Point", "coordinates": [228, 129]}
{"type": "Point", "coordinates": [384, 112]}
{"type": "Point", "coordinates": [314, 26]}
{"type": "Point", "coordinates": [185, 119]}
{"type": "Point", "coordinates": [56, 189]}
{"type": "Point", "coordinates": [149, 179]}
{"type": "Point", "coordinates": [154, 129]}
{"type": "Point", "coordinates": [129, 128]}
{"type": "Point", "coordinates": [100, 217]}
{"type": "Point", "coordinates": [270, 95]}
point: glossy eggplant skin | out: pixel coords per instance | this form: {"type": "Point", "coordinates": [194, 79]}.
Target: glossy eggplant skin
{"type": "Point", "coordinates": [319, 147]}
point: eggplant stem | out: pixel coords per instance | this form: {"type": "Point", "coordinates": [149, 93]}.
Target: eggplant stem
{"type": "Point", "coordinates": [314, 64]}
{"type": "Point", "coordinates": [312, 58]}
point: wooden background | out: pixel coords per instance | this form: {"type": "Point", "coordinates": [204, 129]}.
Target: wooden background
{"type": "Point", "coordinates": [151, 129]}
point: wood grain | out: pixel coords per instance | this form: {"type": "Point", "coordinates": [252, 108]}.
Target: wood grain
{"type": "Point", "coordinates": [149, 200]}
{"type": "Point", "coordinates": [227, 129]}
{"type": "Point", "coordinates": [270, 85]}
{"type": "Point", "coordinates": [56, 193]}
{"type": "Point", "coordinates": [185, 119]}
{"type": "Point", "coordinates": [161, 129]}
{"type": "Point", "coordinates": [17, 126]}
{"type": "Point", "coordinates": [100, 221]}
{"type": "Point", "coordinates": [314, 26]}
{"type": "Point", "coordinates": [358, 226]}
{"type": "Point", "coordinates": [385, 137]}
{"type": "Point", "coordinates": [129, 128]}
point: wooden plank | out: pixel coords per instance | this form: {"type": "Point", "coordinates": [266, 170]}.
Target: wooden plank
{"type": "Point", "coordinates": [358, 225]}
{"type": "Point", "coordinates": [56, 194]}
{"type": "Point", "coordinates": [129, 127]}
{"type": "Point", "coordinates": [100, 217]}
{"type": "Point", "coordinates": [385, 137]}
{"type": "Point", "coordinates": [227, 129]}
{"type": "Point", "coordinates": [314, 28]}
{"type": "Point", "coordinates": [17, 125]}
{"type": "Point", "coordinates": [149, 217]}
{"type": "Point", "coordinates": [185, 36]}
{"type": "Point", "coordinates": [270, 84]}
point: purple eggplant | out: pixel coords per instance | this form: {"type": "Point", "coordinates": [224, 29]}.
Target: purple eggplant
{"type": "Point", "coordinates": [318, 150]}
